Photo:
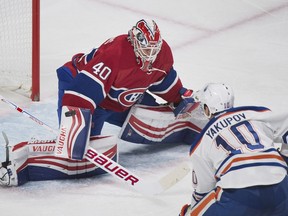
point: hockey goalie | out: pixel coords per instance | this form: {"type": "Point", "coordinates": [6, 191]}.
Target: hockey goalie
{"type": "Point", "coordinates": [101, 86]}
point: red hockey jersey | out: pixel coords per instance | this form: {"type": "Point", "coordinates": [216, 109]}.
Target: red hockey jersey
{"type": "Point", "coordinates": [110, 77]}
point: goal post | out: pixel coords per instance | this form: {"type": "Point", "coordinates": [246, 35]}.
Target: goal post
{"type": "Point", "coordinates": [20, 47]}
{"type": "Point", "coordinates": [35, 90]}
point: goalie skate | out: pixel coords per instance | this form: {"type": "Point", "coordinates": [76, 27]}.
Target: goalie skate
{"type": "Point", "coordinates": [8, 175]}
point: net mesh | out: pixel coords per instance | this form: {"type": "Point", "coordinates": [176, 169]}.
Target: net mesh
{"type": "Point", "coordinates": [16, 45]}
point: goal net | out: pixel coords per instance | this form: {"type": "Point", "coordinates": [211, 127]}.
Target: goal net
{"type": "Point", "coordinates": [19, 47]}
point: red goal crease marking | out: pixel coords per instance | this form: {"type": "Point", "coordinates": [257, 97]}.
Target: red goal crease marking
{"type": "Point", "coordinates": [233, 25]}
{"type": "Point", "coordinates": [176, 22]}
{"type": "Point", "coordinates": [209, 32]}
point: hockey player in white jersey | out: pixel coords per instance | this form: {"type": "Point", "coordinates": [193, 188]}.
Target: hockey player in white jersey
{"type": "Point", "coordinates": [237, 168]}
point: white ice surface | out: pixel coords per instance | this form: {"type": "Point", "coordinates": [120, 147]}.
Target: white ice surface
{"type": "Point", "coordinates": [243, 43]}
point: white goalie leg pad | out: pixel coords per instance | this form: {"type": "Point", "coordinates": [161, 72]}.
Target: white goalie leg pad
{"type": "Point", "coordinates": [152, 125]}
{"type": "Point", "coordinates": [74, 133]}
{"type": "Point", "coordinates": [105, 144]}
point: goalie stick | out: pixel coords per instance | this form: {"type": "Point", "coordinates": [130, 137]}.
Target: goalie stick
{"type": "Point", "coordinates": [6, 162]}
{"type": "Point", "coordinates": [115, 169]}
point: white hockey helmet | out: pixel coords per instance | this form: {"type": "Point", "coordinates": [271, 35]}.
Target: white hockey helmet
{"type": "Point", "coordinates": [217, 97]}
{"type": "Point", "coordinates": [146, 39]}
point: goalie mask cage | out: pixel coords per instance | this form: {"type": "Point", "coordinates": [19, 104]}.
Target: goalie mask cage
{"type": "Point", "coordinates": [20, 47]}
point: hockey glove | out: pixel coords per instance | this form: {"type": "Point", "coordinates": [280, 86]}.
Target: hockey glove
{"type": "Point", "coordinates": [8, 175]}
{"type": "Point", "coordinates": [74, 133]}
{"type": "Point", "coordinates": [187, 105]}
{"type": "Point", "coordinates": [185, 209]}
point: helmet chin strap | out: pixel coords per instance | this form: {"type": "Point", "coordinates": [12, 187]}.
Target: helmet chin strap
{"type": "Point", "coordinates": [157, 69]}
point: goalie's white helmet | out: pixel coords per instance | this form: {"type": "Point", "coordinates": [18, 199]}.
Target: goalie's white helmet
{"type": "Point", "coordinates": [217, 97]}
{"type": "Point", "coordinates": [146, 39]}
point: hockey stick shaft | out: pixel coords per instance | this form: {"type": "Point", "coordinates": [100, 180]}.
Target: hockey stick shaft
{"type": "Point", "coordinates": [115, 169]}
{"type": "Point", "coordinates": [26, 114]}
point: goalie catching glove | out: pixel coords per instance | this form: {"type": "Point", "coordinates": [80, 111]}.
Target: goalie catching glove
{"type": "Point", "coordinates": [187, 104]}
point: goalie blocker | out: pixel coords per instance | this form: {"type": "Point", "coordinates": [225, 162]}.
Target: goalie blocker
{"type": "Point", "coordinates": [74, 133]}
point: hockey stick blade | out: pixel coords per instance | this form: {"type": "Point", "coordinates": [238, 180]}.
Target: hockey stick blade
{"type": "Point", "coordinates": [6, 163]}
{"type": "Point", "coordinates": [176, 175]}
{"type": "Point", "coordinates": [5, 138]}
{"type": "Point", "coordinates": [167, 181]}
